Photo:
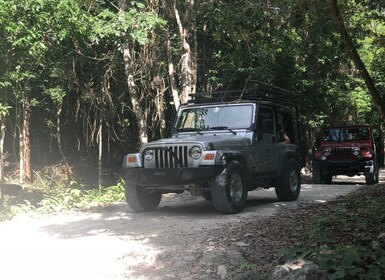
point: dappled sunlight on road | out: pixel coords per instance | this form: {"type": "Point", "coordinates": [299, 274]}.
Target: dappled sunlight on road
{"type": "Point", "coordinates": [116, 243]}
{"type": "Point", "coordinates": [32, 250]}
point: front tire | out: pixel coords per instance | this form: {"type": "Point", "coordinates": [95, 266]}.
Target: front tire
{"type": "Point", "coordinates": [289, 185]}
{"type": "Point", "coordinates": [207, 195]}
{"type": "Point", "coordinates": [229, 192]}
{"type": "Point", "coordinates": [141, 200]}
{"type": "Point", "coordinates": [316, 174]}
{"type": "Point", "coordinates": [371, 178]}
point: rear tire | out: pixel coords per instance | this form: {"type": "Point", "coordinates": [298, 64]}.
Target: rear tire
{"type": "Point", "coordinates": [289, 185]}
{"type": "Point", "coordinates": [141, 200]}
{"type": "Point", "coordinates": [229, 192]}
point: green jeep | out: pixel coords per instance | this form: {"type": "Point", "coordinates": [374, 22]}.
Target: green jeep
{"type": "Point", "coordinates": [222, 145]}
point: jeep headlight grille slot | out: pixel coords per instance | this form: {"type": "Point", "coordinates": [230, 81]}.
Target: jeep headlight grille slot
{"type": "Point", "coordinates": [170, 157]}
{"type": "Point", "coordinates": [343, 153]}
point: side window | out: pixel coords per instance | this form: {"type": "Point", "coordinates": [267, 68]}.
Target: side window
{"type": "Point", "coordinates": [265, 120]}
{"type": "Point", "coordinates": [285, 125]}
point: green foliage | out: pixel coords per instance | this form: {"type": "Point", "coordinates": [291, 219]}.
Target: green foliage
{"type": "Point", "coordinates": [66, 56]}
{"type": "Point", "coordinates": [352, 262]}
{"type": "Point", "coordinates": [64, 198]}
{"type": "Point", "coordinates": [345, 242]}
{"type": "Point", "coordinates": [4, 110]}
{"type": "Point", "coordinates": [72, 199]}
{"type": "Point", "coordinates": [136, 22]}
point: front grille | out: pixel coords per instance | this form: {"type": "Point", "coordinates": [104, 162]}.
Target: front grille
{"type": "Point", "coordinates": [342, 153]}
{"type": "Point", "coordinates": [170, 157]}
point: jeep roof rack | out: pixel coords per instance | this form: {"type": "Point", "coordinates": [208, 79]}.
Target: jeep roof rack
{"type": "Point", "coordinates": [267, 93]}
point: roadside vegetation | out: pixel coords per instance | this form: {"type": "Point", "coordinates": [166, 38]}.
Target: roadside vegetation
{"type": "Point", "coordinates": [62, 199]}
{"type": "Point", "coordinates": [53, 195]}
{"type": "Point", "coordinates": [345, 237]}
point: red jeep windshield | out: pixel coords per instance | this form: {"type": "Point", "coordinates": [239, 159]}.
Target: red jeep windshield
{"type": "Point", "coordinates": [346, 134]}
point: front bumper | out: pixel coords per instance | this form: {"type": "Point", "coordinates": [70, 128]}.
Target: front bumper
{"type": "Point", "coordinates": [342, 167]}
{"type": "Point", "coordinates": [160, 177]}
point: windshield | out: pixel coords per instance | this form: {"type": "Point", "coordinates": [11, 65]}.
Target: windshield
{"type": "Point", "coordinates": [216, 117]}
{"type": "Point", "coordinates": [346, 134]}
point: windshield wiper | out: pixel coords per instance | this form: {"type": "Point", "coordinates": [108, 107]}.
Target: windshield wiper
{"type": "Point", "coordinates": [223, 128]}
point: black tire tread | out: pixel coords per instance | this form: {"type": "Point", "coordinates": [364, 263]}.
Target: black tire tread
{"type": "Point", "coordinates": [140, 200]}
{"type": "Point", "coordinates": [220, 194]}
{"type": "Point", "coordinates": [282, 188]}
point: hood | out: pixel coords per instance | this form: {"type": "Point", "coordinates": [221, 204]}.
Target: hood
{"type": "Point", "coordinates": [345, 144]}
{"type": "Point", "coordinates": [208, 141]}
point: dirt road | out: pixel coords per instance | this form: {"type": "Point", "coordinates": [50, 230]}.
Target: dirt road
{"type": "Point", "coordinates": [175, 242]}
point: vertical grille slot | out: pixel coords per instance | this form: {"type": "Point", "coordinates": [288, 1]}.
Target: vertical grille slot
{"type": "Point", "coordinates": [185, 159]}
{"type": "Point", "coordinates": [164, 158]}
{"type": "Point", "coordinates": [342, 153]}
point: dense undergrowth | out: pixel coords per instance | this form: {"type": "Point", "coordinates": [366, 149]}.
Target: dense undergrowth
{"type": "Point", "coordinates": [345, 237]}
{"type": "Point", "coordinates": [59, 199]}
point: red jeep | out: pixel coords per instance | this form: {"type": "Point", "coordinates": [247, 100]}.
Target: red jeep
{"type": "Point", "coordinates": [345, 150]}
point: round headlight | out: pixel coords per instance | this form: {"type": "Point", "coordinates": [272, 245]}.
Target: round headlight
{"type": "Point", "coordinates": [327, 151]}
{"type": "Point", "coordinates": [148, 155]}
{"type": "Point", "coordinates": [195, 152]}
{"type": "Point", "coordinates": [356, 151]}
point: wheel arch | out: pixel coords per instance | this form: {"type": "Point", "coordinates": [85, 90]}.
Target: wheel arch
{"type": "Point", "coordinates": [237, 157]}
{"type": "Point", "coordinates": [283, 160]}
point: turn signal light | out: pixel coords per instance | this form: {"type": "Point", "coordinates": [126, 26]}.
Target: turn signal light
{"type": "Point", "coordinates": [131, 159]}
{"type": "Point", "coordinates": [209, 156]}
{"type": "Point", "coordinates": [366, 152]}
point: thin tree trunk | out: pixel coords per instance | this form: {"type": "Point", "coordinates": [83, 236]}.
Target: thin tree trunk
{"type": "Point", "coordinates": [171, 74]}
{"type": "Point", "coordinates": [2, 136]}
{"type": "Point", "coordinates": [140, 115]}
{"type": "Point", "coordinates": [194, 64]}
{"type": "Point", "coordinates": [185, 31]}
{"type": "Point", "coordinates": [100, 148]}
{"type": "Point", "coordinates": [356, 58]}
{"type": "Point", "coordinates": [59, 144]}
{"type": "Point", "coordinates": [160, 105]}
{"type": "Point", "coordinates": [134, 95]}
{"type": "Point", "coordinates": [3, 118]}
{"type": "Point", "coordinates": [21, 158]}
{"type": "Point", "coordinates": [25, 139]}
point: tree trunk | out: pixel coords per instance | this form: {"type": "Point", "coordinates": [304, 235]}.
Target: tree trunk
{"type": "Point", "coordinates": [186, 27]}
{"type": "Point", "coordinates": [160, 104]}
{"type": "Point", "coordinates": [134, 95]}
{"type": "Point", "coordinates": [3, 116]}
{"type": "Point", "coordinates": [59, 144]}
{"type": "Point", "coordinates": [25, 149]}
{"type": "Point", "coordinates": [21, 160]}
{"type": "Point", "coordinates": [100, 150]}
{"type": "Point", "coordinates": [171, 74]}
{"type": "Point", "coordinates": [376, 96]}
{"type": "Point", "coordinates": [2, 136]}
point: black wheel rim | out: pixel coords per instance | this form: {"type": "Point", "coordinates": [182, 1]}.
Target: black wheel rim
{"type": "Point", "coordinates": [293, 180]}
{"type": "Point", "coordinates": [236, 187]}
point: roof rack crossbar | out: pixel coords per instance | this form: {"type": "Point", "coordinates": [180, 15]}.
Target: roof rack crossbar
{"type": "Point", "coordinates": [258, 94]}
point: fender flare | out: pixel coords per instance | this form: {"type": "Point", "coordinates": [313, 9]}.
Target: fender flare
{"type": "Point", "coordinates": [284, 158]}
